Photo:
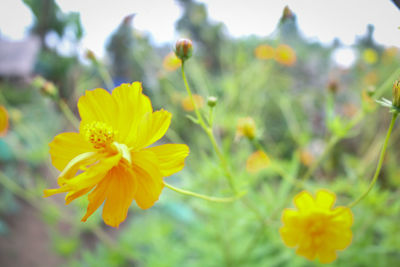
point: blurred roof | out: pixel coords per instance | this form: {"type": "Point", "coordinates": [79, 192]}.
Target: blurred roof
{"type": "Point", "coordinates": [17, 58]}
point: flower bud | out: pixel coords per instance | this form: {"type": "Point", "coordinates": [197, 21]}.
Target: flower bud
{"type": "Point", "coordinates": [184, 49]}
{"type": "Point", "coordinates": [90, 55]}
{"type": "Point", "coordinates": [212, 101]}
{"type": "Point", "coordinates": [46, 88]}
{"type": "Point", "coordinates": [246, 127]}
{"type": "Point", "coordinates": [396, 94]}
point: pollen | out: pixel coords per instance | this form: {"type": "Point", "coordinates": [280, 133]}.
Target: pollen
{"type": "Point", "coordinates": [99, 134]}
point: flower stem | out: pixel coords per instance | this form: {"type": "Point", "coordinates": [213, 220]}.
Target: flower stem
{"type": "Point", "coordinates": [379, 167]}
{"type": "Point", "coordinates": [224, 163]}
{"type": "Point", "coordinates": [205, 197]}
{"type": "Point", "coordinates": [68, 113]}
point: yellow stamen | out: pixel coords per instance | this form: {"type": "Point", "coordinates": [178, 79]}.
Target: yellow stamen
{"type": "Point", "coordinates": [99, 134]}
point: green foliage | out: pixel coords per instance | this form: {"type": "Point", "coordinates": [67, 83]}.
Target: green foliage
{"type": "Point", "coordinates": [297, 111]}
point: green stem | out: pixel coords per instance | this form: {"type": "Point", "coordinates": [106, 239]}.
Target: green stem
{"type": "Point", "coordinates": [380, 162]}
{"type": "Point", "coordinates": [68, 113]}
{"type": "Point", "coordinates": [205, 197]}
{"type": "Point", "coordinates": [224, 163]}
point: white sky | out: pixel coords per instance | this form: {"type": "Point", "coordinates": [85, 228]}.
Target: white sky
{"type": "Point", "coordinates": [318, 19]}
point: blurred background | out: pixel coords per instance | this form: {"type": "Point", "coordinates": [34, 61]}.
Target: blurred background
{"type": "Point", "coordinates": [306, 72]}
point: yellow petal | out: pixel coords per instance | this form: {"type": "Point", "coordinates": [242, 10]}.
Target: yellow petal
{"type": "Point", "coordinates": [343, 217]}
{"type": "Point", "coordinates": [75, 194]}
{"type": "Point", "coordinates": [325, 199]}
{"type": "Point", "coordinates": [304, 201]}
{"type": "Point", "coordinates": [306, 249]}
{"type": "Point", "coordinates": [152, 128]}
{"type": "Point", "coordinates": [94, 174]}
{"type": "Point", "coordinates": [96, 198]}
{"type": "Point", "coordinates": [171, 157]}
{"type": "Point", "coordinates": [149, 178]}
{"type": "Point", "coordinates": [290, 236]}
{"type": "Point", "coordinates": [67, 146]}
{"type": "Point", "coordinates": [77, 163]}
{"type": "Point", "coordinates": [290, 217]}
{"type": "Point", "coordinates": [132, 106]}
{"type": "Point", "coordinates": [3, 121]}
{"type": "Point", "coordinates": [97, 105]}
{"type": "Point", "coordinates": [120, 193]}
{"type": "Point", "coordinates": [338, 238]}
{"type": "Point", "coordinates": [326, 255]}
{"type": "Point", "coordinates": [87, 179]}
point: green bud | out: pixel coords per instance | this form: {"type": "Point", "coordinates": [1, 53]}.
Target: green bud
{"type": "Point", "coordinates": [184, 49]}
{"type": "Point", "coordinates": [212, 101]}
{"type": "Point", "coordinates": [396, 94]}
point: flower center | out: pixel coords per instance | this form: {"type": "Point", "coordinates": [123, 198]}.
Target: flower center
{"type": "Point", "coordinates": [99, 134]}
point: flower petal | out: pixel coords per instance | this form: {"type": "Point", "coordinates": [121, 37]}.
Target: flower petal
{"type": "Point", "coordinates": [133, 105]}
{"type": "Point", "coordinates": [290, 236]}
{"type": "Point", "coordinates": [304, 201]}
{"type": "Point", "coordinates": [152, 127]}
{"type": "Point", "coordinates": [171, 157]}
{"type": "Point", "coordinates": [97, 105]}
{"type": "Point", "coordinates": [75, 194]}
{"type": "Point", "coordinates": [325, 199]}
{"type": "Point", "coordinates": [149, 178]}
{"type": "Point", "coordinates": [88, 178]}
{"type": "Point", "coordinates": [120, 193]}
{"type": "Point", "coordinates": [67, 146]}
{"type": "Point", "coordinates": [96, 198]}
{"type": "Point", "coordinates": [326, 255]}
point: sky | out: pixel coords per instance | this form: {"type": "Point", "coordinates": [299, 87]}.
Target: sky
{"type": "Point", "coordinates": [321, 20]}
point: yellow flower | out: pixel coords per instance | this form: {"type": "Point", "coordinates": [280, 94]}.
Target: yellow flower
{"type": "Point", "coordinates": [3, 121]}
{"type": "Point", "coordinates": [257, 162]}
{"type": "Point", "coordinates": [171, 62]}
{"type": "Point", "coordinates": [246, 127]}
{"type": "Point", "coordinates": [285, 55]}
{"type": "Point", "coordinates": [370, 56]}
{"type": "Point", "coordinates": [187, 103]}
{"type": "Point", "coordinates": [110, 157]}
{"type": "Point", "coordinates": [264, 52]}
{"type": "Point", "coordinates": [315, 228]}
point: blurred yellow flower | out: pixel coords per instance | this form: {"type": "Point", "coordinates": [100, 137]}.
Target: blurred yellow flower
{"type": "Point", "coordinates": [3, 121]}
{"type": "Point", "coordinates": [264, 52]}
{"type": "Point", "coordinates": [110, 157]}
{"type": "Point", "coordinates": [315, 228]}
{"type": "Point", "coordinates": [246, 127]}
{"type": "Point", "coordinates": [370, 56]}
{"type": "Point", "coordinates": [187, 103]}
{"type": "Point", "coordinates": [285, 55]}
{"type": "Point", "coordinates": [171, 62]}
{"type": "Point", "coordinates": [257, 162]}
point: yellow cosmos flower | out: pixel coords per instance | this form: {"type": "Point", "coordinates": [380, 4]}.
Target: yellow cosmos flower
{"type": "Point", "coordinates": [285, 55]}
{"type": "Point", "coordinates": [315, 228]}
{"type": "Point", "coordinates": [257, 162]}
{"type": "Point", "coordinates": [187, 103]}
{"type": "Point", "coordinates": [110, 159]}
{"type": "Point", "coordinates": [264, 52]}
{"type": "Point", "coordinates": [3, 121]}
{"type": "Point", "coordinates": [171, 62]}
{"type": "Point", "coordinates": [246, 127]}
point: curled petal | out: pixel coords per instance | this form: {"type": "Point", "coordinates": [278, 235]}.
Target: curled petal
{"type": "Point", "coordinates": [67, 146]}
